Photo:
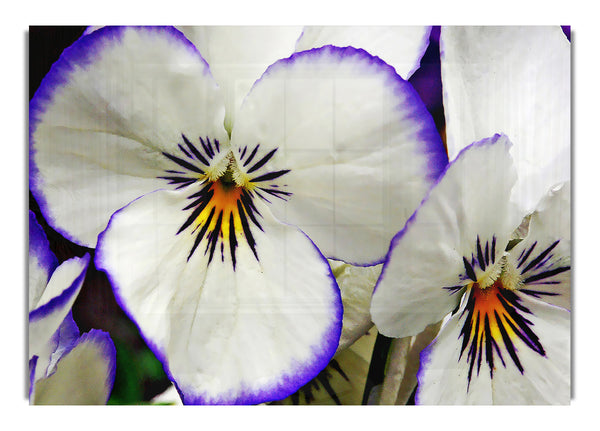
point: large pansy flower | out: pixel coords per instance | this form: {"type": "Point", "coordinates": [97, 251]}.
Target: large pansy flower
{"type": "Point", "coordinates": [64, 367]}
{"type": "Point", "coordinates": [507, 338]}
{"type": "Point", "coordinates": [204, 248]}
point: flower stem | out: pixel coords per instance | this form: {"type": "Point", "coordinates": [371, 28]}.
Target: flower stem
{"type": "Point", "coordinates": [376, 372]}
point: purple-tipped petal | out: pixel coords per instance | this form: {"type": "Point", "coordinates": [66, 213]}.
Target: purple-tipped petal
{"type": "Point", "coordinates": [436, 254]}
{"type": "Point", "coordinates": [84, 375]}
{"type": "Point", "coordinates": [233, 322]}
{"type": "Point", "coordinates": [114, 101]}
{"type": "Point", "coordinates": [54, 305]}
{"type": "Point", "coordinates": [358, 145]}
{"type": "Point", "coordinates": [42, 262]}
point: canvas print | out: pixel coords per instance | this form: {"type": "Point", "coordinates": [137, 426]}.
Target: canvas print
{"type": "Point", "coordinates": [299, 215]}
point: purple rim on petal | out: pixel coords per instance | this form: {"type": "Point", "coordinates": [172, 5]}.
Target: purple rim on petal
{"type": "Point", "coordinates": [64, 339]}
{"type": "Point", "coordinates": [424, 360]}
{"type": "Point", "coordinates": [82, 53]}
{"type": "Point", "coordinates": [32, 366]}
{"type": "Point", "coordinates": [39, 246]}
{"type": "Point", "coordinates": [303, 373]}
{"type": "Point", "coordinates": [98, 263]}
{"type": "Point", "coordinates": [432, 144]}
{"type": "Point", "coordinates": [65, 296]}
{"type": "Point", "coordinates": [484, 142]}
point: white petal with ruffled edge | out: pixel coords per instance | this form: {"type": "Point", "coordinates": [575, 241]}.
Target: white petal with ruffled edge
{"type": "Point", "coordinates": [361, 148]}
{"type": "Point", "coordinates": [543, 258]}
{"type": "Point", "coordinates": [85, 375]}
{"type": "Point", "coordinates": [465, 215]}
{"type": "Point", "coordinates": [400, 47]}
{"type": "Point", "coordinates": [239, 55]}
{"type": "Point", "coordinates": [448, 376]}
{"type": "Point", "coordinates": [42, 262]}
{"type": "Point", "coordinates": [245, 335]}
{"type": "Point", "coordinates": [112, 103]}
{"type": "Point", "coordinates": [514, 80]}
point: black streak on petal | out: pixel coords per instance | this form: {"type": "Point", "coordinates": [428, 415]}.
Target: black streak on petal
{"type": "Point", "coordinates": [184, 164]}
{"type": "Point", "coordinates": [546, 274]}
{"type": "Point", "coordinates": [541, 256]}
{"type": "Point", "coordinates": [262, 161]}
{"type": "Point", "coordinates": [195, 151]}
{"type": "Point", "coordinates": [480, 257]}
{"type": "Point", "coordinates": [469, 269]}
{"type": "Point", "coordinates": [232, 239]}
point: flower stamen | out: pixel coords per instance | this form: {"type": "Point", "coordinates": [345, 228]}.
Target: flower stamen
{"type": "Point", "coordinates": [222, 210]}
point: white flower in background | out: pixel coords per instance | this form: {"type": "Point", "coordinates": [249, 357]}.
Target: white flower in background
{"type": "Point", "coordinates": [507, 338]}
{"type": "Point", "coordinates": [516, 81]}
{"type": "Point", "coordinates": [64, 367]}
{"type": "Point", "coordinates": [208, 247]}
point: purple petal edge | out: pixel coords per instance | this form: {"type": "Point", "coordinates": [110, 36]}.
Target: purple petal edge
{"type": "Point", "coordinates": [60, 300]}
{"type": "Point", "coordinates": [32, 366]}
{"type": "Point", "coordinates": [424, 360]}
{"type": "Point", "coordinates": [65, 338]}
{"type": "Point", "coordinates": [304, 373]}
{"type": "Point", "coordinates": [429, 136]}
{"type": "Point", "coordinates": [40, 246]}
{"type": "Point", "coordinates": [433, 146]}
{"type": "Point", "coordinates": [81, 53]}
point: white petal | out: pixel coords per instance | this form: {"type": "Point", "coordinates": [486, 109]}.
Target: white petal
{"type": "Point", "coordinates": [400, 47]}
{"type": "Point", "coordinates": [169, 396]}
{"type": "Point", "coordinates": [513, 80]}
{"type": "Point", "coordinates": [85, 375]}
{"type": "Point", "coordinates": [239, 55]}
{"type": "Point", "coordinates": [55, 303]}
{"type": "Point", "coordinates": [545, 379]}
{"type": "Point", "coordinates": [245, 335]}
{"type": "Point", "coordinates": [361, 147]}
{"type": "Point", "coordinates": [543, 258]}
{"type": "Point", "coordinates": [401, 374]}
{"type": "Point", "coordinates": [42, 262]}
{"type": "Point", "coordinates": [113, 102]}
{"type": "Point", "coordinates": [48, 354]}
{"type": "Point", "coordinates": [516, 375]}
{"type": "Point", "coordinates": [438, 250]}
{"type": "Point", "coordinates": [442, 378]}
{"type": "Point", "coordinates": [356, 286]}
